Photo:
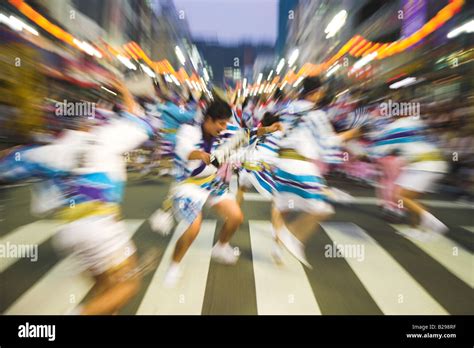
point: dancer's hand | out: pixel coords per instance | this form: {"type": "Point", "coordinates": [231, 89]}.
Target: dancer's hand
{"type": "Point", "coordinates": [205, 157]}
{"type": "Point", "coordinates": [270, 129]}
{"type": "Point", "coordinates": [277, 126]}
{"type": "Point", "coordinates": [200, 155]}
{"type": "Point", "coordinates": [6, 152]}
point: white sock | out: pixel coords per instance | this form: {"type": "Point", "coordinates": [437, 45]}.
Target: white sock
{"type": "Point", "coordinates": [174, 266]}
{"type": "Point", "coordinates": [427, 218]}
{"type": "Point", "coordinates": [274, 233]}
{"type": "Point", "coordinates": [431, 222]}
{"type": "Point", "coordinates": [221, 245]}
{"type": "Point", "coordinates": [286, 231]}
{"type": "Point", "coordinates": [76, 311]}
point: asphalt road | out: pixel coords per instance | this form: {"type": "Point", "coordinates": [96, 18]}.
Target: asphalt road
{"type": "Point", "coordinates": [361, 263]}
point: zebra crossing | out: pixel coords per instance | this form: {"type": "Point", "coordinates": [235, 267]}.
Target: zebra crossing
{"type": "Point", "coordinates": [188, 296]}
{"type": "Point", "coordinates": [453, 256]}
{"type": "Point", "coordinates": [31, 234]}
{"type": "Point", "coordinates": [393, 284]}
{"type": "Point", "coordinates": [389, 284]}
{"type": "Point", "coordinates": [256, 197]}
{"type": "Point", "coordinates": [279, 290]}
{"type": "Point", "coordinates": [61, 288]}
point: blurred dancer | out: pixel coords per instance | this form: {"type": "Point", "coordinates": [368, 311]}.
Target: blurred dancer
{"type": "Point", "coordinates": [423, 167]}
{"type": "Point", "coordinates": [258, 158]}
{"type": "Point", "coordinates": [84, 173]}
{"type": "Point", "coordinates": [348, 114]}
{"type": "Point", "coordinates": [173, 117]}
{"type": "Point", "coordinates": [301, 190]}
{"type": "Point", "coordinates": [254, 163]}
{"type": "Point", "coordinates": [418, 166]}
{"type": "Point", "coordinates": [256, 170]}
{"type": "Point", "coordinates": [196, 186]}
{"type": "Point", "coordinates": [390, 169]}
{"type": "Point", "coordinates": [200, 149]}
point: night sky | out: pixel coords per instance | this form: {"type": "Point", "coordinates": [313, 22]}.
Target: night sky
{"type": "Point", "coordinates": [231, 21]}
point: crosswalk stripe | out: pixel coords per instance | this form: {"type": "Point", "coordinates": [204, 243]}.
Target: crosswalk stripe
{"type": "Point", "coordinates": [469, 228]}
{"type": "Point", "coordinates": [256, 197]}
{"type": "Point", "coordinates": [280, 289]}
{"type": "Point", "coordinates": [447, 252]}
{"type": "Point", "coordinates": [393, 289]}
{"type": "Point", "coordinates": [58, 292]}
{"type": "Point", "coordinates": [30, 235]}
{"type": "Point", "coordinates": [60, 289]}
{"type": "Point", "coordinates": [188, 295]}
{"type": "Point", "coordinates": [429, 202]}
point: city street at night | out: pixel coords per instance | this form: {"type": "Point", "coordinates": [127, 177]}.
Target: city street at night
{"type": "Point", "coordinates": [390, 274]}
{"type": "Point", "coordinates": [172, 164]}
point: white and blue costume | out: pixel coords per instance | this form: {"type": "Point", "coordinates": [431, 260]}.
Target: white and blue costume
{"type": "Point", "coordinates": [258, 164]}
{"type": "Point", "coordinates": [259, 160]}
{"type": "Point", "coordinates": [83, 175]}
{"type": "Point", "coordinates": [406, 136]}
{"type": "Point", "coordinates": [308, 138]}
{"type": "Point", "coordinates": [172, 117]}
{"type": "Point", "coordinates": [198, 183]}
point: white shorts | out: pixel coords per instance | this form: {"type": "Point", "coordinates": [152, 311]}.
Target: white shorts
{"type": "Point", "coordinates": [287, 202]}
{"type": "Point", "coordinates": [261, 181]}
{"type": "Point", "coordinates": [98, 242]}
{"type": "Point", "coordinates": [300, 187]}
{"type": "Point", "coordinates": [213, 200]}
{"type": "Point", "coordinates": [418, 180]}
{"type": "Point", "coordinates": [245, 180]}
{"type": "Point", "coordinates": [189, 200]}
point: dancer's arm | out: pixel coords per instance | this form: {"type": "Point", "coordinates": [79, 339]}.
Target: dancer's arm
{"type": "Point", "coordinates": [200, 155]}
